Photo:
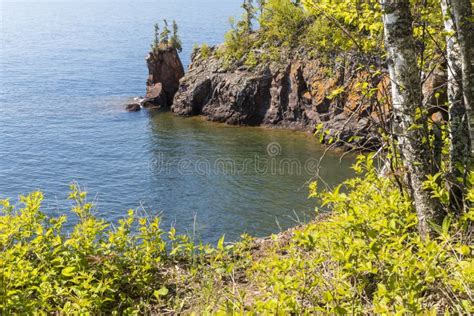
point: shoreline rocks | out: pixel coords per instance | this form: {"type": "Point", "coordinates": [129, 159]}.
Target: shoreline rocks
{"type": "Point", "coordinates": [346, 103]}
{"type": "Point", "coordinates": [298, 93]}
{"type": "Point", "coordinates": [133, 107]}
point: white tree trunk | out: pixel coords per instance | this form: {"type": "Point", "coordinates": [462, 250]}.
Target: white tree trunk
{"type": "Point", "coordinates": [459, 52]}
{"type": "Point", "coordinates": [462, 14]}
{"type": "Point", "coordinates": [409, 116]}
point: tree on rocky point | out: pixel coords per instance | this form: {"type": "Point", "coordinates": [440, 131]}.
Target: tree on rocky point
{"type": "Point", "coordinates": [164, 36]}
{"type": "Point", "coordinates": [175, 40]}
{"type": "Point", "coordinates": [156, 40]}
{"type": "Point", "coordinates": [249, 15]}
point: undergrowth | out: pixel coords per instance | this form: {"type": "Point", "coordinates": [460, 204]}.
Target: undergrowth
{"type": "Point", "coordinates": [366, 256]}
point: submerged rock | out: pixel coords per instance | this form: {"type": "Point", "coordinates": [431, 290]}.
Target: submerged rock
{"type": "Point", "coordinates": [133, 107]}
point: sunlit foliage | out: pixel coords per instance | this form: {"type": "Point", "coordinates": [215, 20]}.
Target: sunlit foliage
{"type": "Point", "coordinates": [326, 26]}
{"type": "Point", "coordinates": [365, 257]}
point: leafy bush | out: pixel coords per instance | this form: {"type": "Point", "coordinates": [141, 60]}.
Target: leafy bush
{"type": "Point", "coordinates": [365, 256]}
{"type": "Point", "coordinates": [205, 50]}
{"type": "Point", "coordinates": [135, 267]}
{"type": "Point", "coordinates": [327, 27]}
{"type": "Point", "coordinates": [282, 22]}
{"type": "Point", "coordinates": [368, 257]}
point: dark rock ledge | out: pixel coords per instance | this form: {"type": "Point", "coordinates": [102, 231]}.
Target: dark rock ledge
{"type": "Point", "coordinates": [335, 95]}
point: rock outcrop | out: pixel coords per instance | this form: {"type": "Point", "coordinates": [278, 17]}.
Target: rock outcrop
{"type": "Point", "coordinates": [298, 93]}
{"type": "Point", "coordinates": [348, 103]}
{"type": "Point", "coordinates": [164, 72]}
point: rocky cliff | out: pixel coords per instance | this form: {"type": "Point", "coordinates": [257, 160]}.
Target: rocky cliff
{"type": "Point", "coordinates": [332, 94]}
{"type": "Point", "coordinates": [164, 72]}
{"type": "Point", "coordinates": [297, 93]}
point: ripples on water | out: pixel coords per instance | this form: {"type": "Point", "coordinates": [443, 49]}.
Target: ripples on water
{"type": "Point", "coordinates": [67, 68]}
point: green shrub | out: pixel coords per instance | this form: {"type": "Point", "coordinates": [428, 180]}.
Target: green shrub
{"type": "Point", "coordinates": [205, 51]}
{"type": "Point", "coordinates": [251, 59]}
{"type": "Point", "coordinates": [327, 27]}
{"type": "Point", "coordinates": [235, 44]}
{"type": "Point", "coordinates": [282, 22]}
{"type": "Point", "coordinates": [365, 256]}
{"type": "Point", "coordinates": [134, 267]}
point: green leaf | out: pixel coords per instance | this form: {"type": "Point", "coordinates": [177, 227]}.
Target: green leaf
{"type": "Point", "coordinates": [220, 243]}
{"type": "Point", "coordinates": [163, 291]}
{"type": "Point", "coordinates": [464, 250]}
{"type": "Point", "coordinates": [68, 271]}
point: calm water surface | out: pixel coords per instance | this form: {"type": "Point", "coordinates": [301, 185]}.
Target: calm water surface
{"type": "Point", "coordinates": [67, 68]}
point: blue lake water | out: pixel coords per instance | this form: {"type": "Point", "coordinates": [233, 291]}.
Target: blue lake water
{"type": "Point", "coordinates": [68, 68]}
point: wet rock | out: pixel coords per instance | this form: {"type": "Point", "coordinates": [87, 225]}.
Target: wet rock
{"type": "Point", "coordinates": [155, 96]}
{"type": "Point", "coordinates": [133, 107]}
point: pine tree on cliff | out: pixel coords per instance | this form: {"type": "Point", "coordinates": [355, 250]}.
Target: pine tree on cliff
{"type": "Point", "coordinates": [410, 118]}
{"type": "Point", "coordinates": [459, 54]}
{"type": "Point", "coordinates": [156, 40]}
{"type": "Point", "coordinates": [175, 41]}
{"type": "Point", "coordinates": [164, 36]}
{"type": "Point", "coordinates": [245, 25]}
{"type": "Point", "coordinates": [249, 15]}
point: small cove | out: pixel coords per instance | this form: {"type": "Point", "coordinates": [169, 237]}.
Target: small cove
{"type": "Point", "coordinates": [64, 87]}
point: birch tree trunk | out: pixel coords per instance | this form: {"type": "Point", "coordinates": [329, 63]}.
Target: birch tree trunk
{"type": "Point", "coordinates": [459, 54]}
{"type": "Point", "coordinates": [462, 15]}
{"type": "Point", "coordinates": [410, 118]}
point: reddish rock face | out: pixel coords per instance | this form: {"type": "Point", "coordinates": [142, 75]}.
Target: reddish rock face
{"type": "Point", "coordinates": [299, 93]}
{"type": "Point", "coordinates": [155, 96]}
{"type": "Point", "coordinates": [349, 102]}
{"type": "Point", "coordinates": [164, 72]}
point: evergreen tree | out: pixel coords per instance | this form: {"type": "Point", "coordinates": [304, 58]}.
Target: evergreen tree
{"type": "Point", "coordinates": [249, 15]}
{"type": "Point", "coordinates": [164, 36]}
{"type": "Point", "coordinates": [175, 40]}
{"type": "Point", "coordinates": [156, 40]}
